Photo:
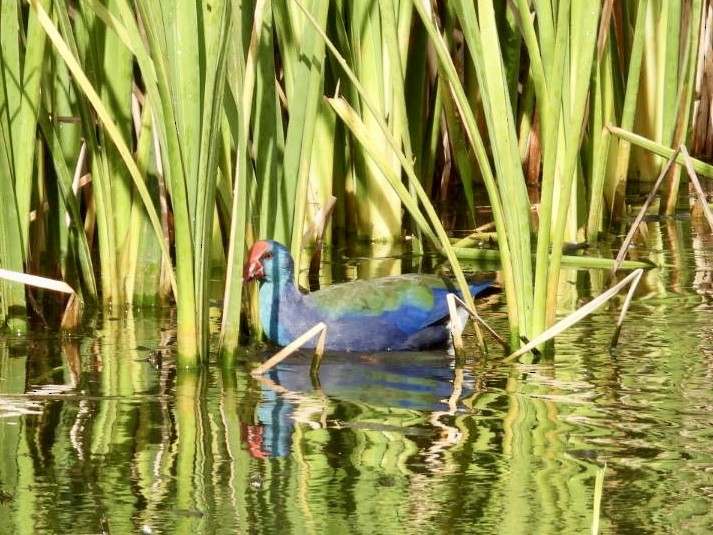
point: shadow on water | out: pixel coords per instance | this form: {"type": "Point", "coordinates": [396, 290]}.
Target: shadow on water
{"type": "Point", "coordinates": [100, 434]}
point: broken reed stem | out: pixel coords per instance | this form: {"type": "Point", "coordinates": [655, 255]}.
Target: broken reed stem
{"type": "Point", "coordinates": [625, 308]}
{"type": "Point", "coordinates": [456, 327]}
{"type": "Point", "coordinates": [36, 281]}
{"type": "Point", "coordinates": [632, 278]}
{"type": "Point", "coordinates": [71, 315]}
{"type": "Point", "coordinates": [286, 351]}
{"type": "Point", "coordinates": [480, 320]}
{"type": "Point", "coordinates": [697, 185]}
{"type": "Point", "coordinates": [642, 213]}
{"type": "Point", "coordinates": [318, 352]}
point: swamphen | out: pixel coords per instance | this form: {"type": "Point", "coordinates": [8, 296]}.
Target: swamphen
{"type": "Point", "coordinates": [404, 312]}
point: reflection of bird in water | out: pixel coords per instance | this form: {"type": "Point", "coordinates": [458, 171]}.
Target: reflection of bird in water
{"type": "Point", "coordinates": [375, 390]}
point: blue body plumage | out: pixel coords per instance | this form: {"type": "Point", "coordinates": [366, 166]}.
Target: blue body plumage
{"type": "Point", "coordinates": [404, 312]}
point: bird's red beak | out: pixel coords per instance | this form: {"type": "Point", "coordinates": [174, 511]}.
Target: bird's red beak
{"type": "Point", "coordinates": [253, 267]}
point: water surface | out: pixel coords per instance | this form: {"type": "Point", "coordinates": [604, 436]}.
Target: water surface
{"type": "Point", "coordinates": [100, 434]}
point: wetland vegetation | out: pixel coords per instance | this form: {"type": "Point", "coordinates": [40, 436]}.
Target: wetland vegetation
{"type": "Point", "coordinates": [145, 146]}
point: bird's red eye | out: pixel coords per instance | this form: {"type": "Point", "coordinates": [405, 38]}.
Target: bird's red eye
{"type": "Point", "coordinates": [267, 255]}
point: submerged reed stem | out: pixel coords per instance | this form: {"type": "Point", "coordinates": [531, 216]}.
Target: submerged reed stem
{"type": "Point", "coordinates": [293, 346]}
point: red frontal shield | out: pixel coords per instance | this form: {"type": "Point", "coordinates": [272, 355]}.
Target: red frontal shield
{"type": "Point", "coordinates": [253, 267]}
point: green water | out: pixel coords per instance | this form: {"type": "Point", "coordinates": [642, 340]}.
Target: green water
{"type": "Point", "coordinates": [99, 434]}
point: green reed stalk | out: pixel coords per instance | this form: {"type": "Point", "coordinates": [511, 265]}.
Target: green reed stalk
{"type": "Point", "coordinates": [177, 134]}
{"type": "Point", "coordinates": [547, 63]}
{"type": "Point", "coordinates": [247, 77]}
{"type": "Point", "coordinates": [603, 112]}
{"type": "Point", "coordinates": [217, 26]}
{"type": "Point", "coordinates": [378, 209]}
{"type": "Point", "coordinates": [617, 189]}
{"type": "Point", "coordinates": [141, 254]}
{"type": "Point", "coordinates": [422, 106]}
{"type": "Point", "coordinates": [268, 131]}
{"type": "Point", "coordinates": [481, 35]}
{"type": "Point", "coordinates": [11, 254]}
{"type": "Point", "coordinates": [699, 166]}
{"type": "Point", "coordinates": [582, 42]}
{"type": "Point", "coordinates": [23, 119]}
{"type": "Point", "coordinates": [448, 71]}
{"type": "Point", "coordinates": [113, 66]}
{"type": "Point", "coordinates": [462, 154]}
{"type": "Point", "coordinates": [326, 176]}
{"type": "Point", "coordinates": [395, 42]}
{"type": "Point", "coordinates": [19, 105]}
{"type": "Point", "coordinates": [160, 77]}
{"type": "Point", "coordinates": [81, 36]}
{"type": "Point", "coordinates": [376, 151]}
{"type": "Point", "coordinates": [304, 110]}
{"type": "Point", "coordinates": [365, 137]}
{"type": "Point", "coordinates": [11, 88]}
{"type": "Point", "coordinates": [188, 82]}
{"type": "Point", "coordinates": [81, 253]}
{"type": "Point", "coordinates": [560, 50]}
{"type": "Point", "coordinates": [187, 124]}
{"type": "Point", "coordinates": [65, 51]}
{"type": "Point", "coordinates": [66, 236]}
{"type": "Point", "coordinates": [232, 300]}
{"type": "Point", "coordinates": [456, 91]}
{"type": "Point", "coordinates": [662, 73]}
{"type": "Point", "coordinates": [111, 185]}
{"type": "Point", "coordinates": [683, 97]}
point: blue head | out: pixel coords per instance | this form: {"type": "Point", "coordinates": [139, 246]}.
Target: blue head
{"type": "Point", "coordinates": [269, 261]}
